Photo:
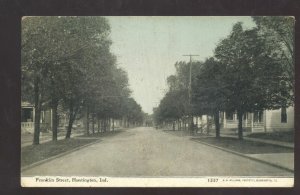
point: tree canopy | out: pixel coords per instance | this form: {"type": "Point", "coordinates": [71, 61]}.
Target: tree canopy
{"type": "Point", "coordinates": [251, 70]}
{"type": "Point", "coordinates": [67, 60]}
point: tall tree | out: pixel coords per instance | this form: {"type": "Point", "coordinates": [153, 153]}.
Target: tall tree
{"type": "Point", "coordinates": [36, 53]}
{"type": "Point", "coordinates": [279, 34]}
{"type": "Point", "coordinates": [177, 105]}
{"type": "Point", "coordinates": [252, 77]}
{"type": "Point", "coordinates": [210, 90]}
{"type": "Point", "coordinates": [63, 55]}
{"type": "Point", "coordinates": [173, 106]}
{"type": "Point", "coordinates": [94, 63]}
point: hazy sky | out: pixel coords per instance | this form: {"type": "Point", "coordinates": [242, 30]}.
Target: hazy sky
{"type": "Point", "coordinates": [148, 47]}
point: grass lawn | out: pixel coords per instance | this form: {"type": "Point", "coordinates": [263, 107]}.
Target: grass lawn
{"type": "Point", "coordinates": [34, 153]}
{"type": "Point", "coordinates": [244, 146]}
{"type": "Point", "coordinates": [287, 136]}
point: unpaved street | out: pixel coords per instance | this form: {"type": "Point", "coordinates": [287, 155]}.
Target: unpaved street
{"type": "Point", "coordinates": [145, 151]}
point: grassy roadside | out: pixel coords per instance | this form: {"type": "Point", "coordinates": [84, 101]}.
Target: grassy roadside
{"type": "Point", "coordinates": [284, 136]}
{"type": "Point", "coordinates": [31, 154]}
{"type": "Point", "coordinates": [234, 144]}
{"type": "Point", "coordinates": [244, 146]}
{"type": "Point", "coordinates": [35, 153]}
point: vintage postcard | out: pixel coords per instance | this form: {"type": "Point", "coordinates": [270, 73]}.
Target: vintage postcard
{"type": "Point", "coordinates": [153, 101]}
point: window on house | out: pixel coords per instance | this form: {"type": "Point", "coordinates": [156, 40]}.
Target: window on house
{"type": "Point", "coordinates": [283, 115]}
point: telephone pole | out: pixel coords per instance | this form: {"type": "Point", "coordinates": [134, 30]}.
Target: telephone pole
{"type": "Point", "coordinates": [190, 93]}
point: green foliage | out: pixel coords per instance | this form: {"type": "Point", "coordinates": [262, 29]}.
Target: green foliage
{"type": "Point", "coordinates": [252, 70]}
{"type": "Point", "coordinates": [251, 77]}
{"type": "Point", "coordinates": [209, 91]}
{"type": "Point", "coordinates": [173, 105]}
{"type": "Point", "coordinates": [133, 111]}
{"type": "Point", "coordinates": [278, 33]}
{"type": "Point", "coordinates": [66, 53]}
{"type": "Point", "coordinates": [70, 61]}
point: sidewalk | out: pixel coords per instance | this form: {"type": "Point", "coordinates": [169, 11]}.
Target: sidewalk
{"type": "Point", "coordinates": [32, 156]}
{"type": "Point", "coordinates": [283, 160]}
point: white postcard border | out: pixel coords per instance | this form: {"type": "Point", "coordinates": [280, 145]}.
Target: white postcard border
{"type": "Point", "coordinates": [82, 181]}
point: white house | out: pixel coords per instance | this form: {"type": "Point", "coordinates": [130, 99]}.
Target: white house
{"type": "Point", "coordinates": [264, 121]}
{"type": "Point", "coordinates": [27, 118]}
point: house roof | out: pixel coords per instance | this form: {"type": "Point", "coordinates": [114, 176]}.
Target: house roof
{"type": "Point", "coordinates": [26, 104]}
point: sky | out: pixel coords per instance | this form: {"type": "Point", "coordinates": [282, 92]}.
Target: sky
{"type": "Point", "coordinates": [147, 48]}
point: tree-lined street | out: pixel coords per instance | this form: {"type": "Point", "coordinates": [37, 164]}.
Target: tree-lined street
{"type": "Point", "coordinates": [107, 96]}
{"type": "Point", "coordinates": [67, 64]}
{"type": "Point", "coordinates": [144, 151]}
{"type": "Point", "coordinates": [251, 70]}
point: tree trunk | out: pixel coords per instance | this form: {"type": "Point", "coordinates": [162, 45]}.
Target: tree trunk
{"type": "Point", "coordinates": [106, 125]}
{"type": "Point", "coordinates": [207, 125]}
{"type": "Point", "coordinates": [196, 124]}
{"type": "Point", "coordinates": [98, 122]}
{"type": "Point", "coordinates": [102, 125]}
{"type": "Point", "coordinates": [201, 125]}
{"type": "Point", "coordinates": [240, 126]}
{"type": "Point", "coordinates": [93, 123]}
{"type": "Point", "coordinates": [173, 126]}
{"type": "Point", "coordinates": [180, 125]}
{"type": "Point", "coordinates": [69, 129]}
{"type": "Point", "coordinates": [191, 123]}
{"type": "Point", "coordinates": [113, 124]}
{"type": "Point", "coordinates": [217, 123]}
{"type": "Point", "coordinates": [71, 119]}
{"type": "Point", "coordinates": [109, 124]}
{"type": "Point", "coordinates": [54, 120]}
{"type": "Point", "coordinates": [87, 121]}
{"type": "Point", "coordinates": [37, 116]}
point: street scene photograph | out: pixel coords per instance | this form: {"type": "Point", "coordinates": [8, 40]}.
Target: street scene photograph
{"type": "Point", "coordinates": [162, 101]}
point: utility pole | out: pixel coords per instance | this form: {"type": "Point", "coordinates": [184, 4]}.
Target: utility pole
{"type": "Point", "coordinates": [190, 93]}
